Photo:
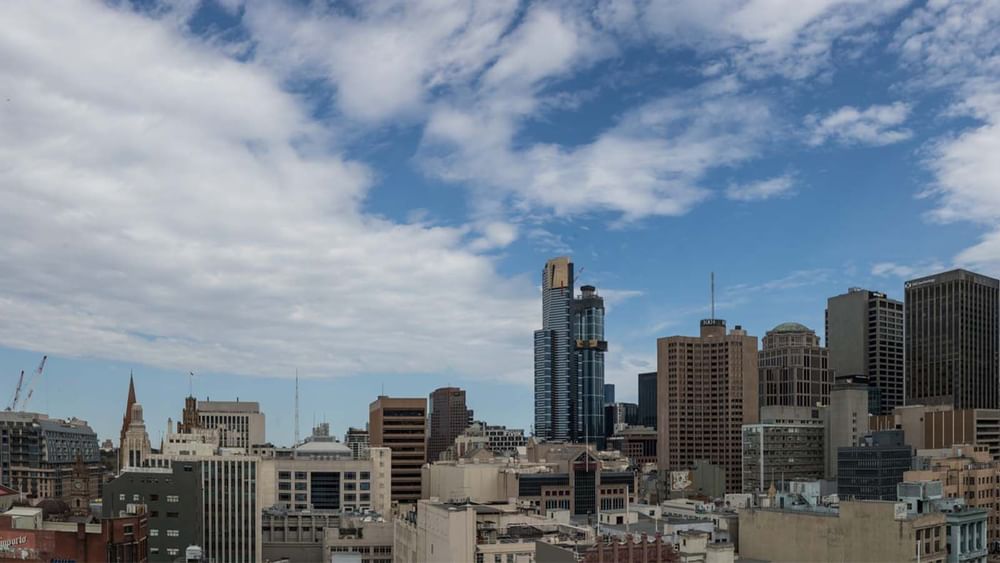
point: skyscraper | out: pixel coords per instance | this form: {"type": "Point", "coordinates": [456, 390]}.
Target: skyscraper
{"type": "Point", "coordinates": [647, 399]}
{"type": "Point", "coordinates": [554, 351]}
{"type": "Point", "coordinates": [609, 393]}
{"type": "Point", "coordinates": [587, 384]}
{"type": "Point", "coordinates": [706, 391]}
{"type": "Point", "coordinates": [447, 417]}
{"type": "Point", "coordinates": [864, 334]}
{"type": "Point", "coordinates": [793, 368]}
{"type": "Point", "coordinates": [952, 327]}
{"type": "Point", "coordinates": [400, 424]}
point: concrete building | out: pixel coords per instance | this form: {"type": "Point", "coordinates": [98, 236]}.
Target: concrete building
{"type": "Point", "coordinates": [859, 531]}
{"type": "Point", "coordinates": [38, 454]}
{"type": "Point", "coordinates": [554, 352]}
{"type": "Point", "coordinates": [587, 392]}
{"type": "Point", "coordinates": [367, 539]}
{"type": "Point", "coordinates": [325, 476]}
{"type": "Point", "coordinates": [847, 417]}
{"type": "Point", "coordinates": [444, 532]}
{"type": "Point", "coordinates": [618, 416]}
{"type": "Point", "coordinates": [647, 400]}
{"type": "Point", "coordinates": [357, 440]}
{"type": "Point", "coordinates": [447, 417]}
{"type": "Point", "coordinates": [965, 472]}
{"type": "Point", "coordinates": [864, 336]}
{"type": "Point", "coordinates": [707, 389]}
{"type": "Point", "coordinates": [780, 452]}
{"type": "Point", "coordinates": [240, 423]}
{"type": "Point", "coordinates": [965, 527]}
{"type": "Point", "coordinates": [637, 443]}
{"type": "Point", "coordinates": [609, 393]}
{"type": "Point", "coordinates": [499, 440]}
{"type": "Point", "coordinates": [27, 536]}
{"type": "Point", "coordinates": [793, 368]}
{"type": "Point", "coordinates": [872, 469]}
{"type": "Point", "coordinates": [942, 426]}
{"type": "Point", "coordinates": [173, 501]}
{"type": "Point", "coordinates": [952, 338]}
{"type": "Point", "coordinates": [295, 535]}
{"type": "Point", "coordinates": [400, 424]}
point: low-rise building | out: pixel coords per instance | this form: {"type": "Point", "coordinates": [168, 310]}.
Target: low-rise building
{"type": "Point", "coordinates": [858, 531]}
{"type": "Point", "coordinates": [499, 440]}
{"type": "Point", "coordinates": [26, 535]}
{"type": "Point", "coordinates": [966, 527]}
{"type": "Point", "coordinates": [637, 443]}
{"type": "Point", "coordinates": [295, 535]}
{"type": "Point", "coordinates": [872, 469]}
{"type": "Point", "coordinates": [367, 538]}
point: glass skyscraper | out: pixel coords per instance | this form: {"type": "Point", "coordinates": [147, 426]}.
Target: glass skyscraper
{"type": "Point", "coordinates": [569, 359]}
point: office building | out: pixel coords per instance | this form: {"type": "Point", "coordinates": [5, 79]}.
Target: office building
{"type": "Point", "coordinates": [864, 336]}
{"type": "Point", "coordinates": [647, 399]}
{"type": "Point", "coordinates": [587, 392]}
{"type": "Point", "coordinates": [38, 454]}
{"type": "Point", "coordinates": [618, 416]}
{"type": "Point", "coordinates": [952, 332]}
{"type": "Point", "coordinates": [400, 424]}
{"type": "Point", "coordinates": [498, 440]}
{"type": "Point", "coordinates": [609, 393]}
{"type": "Point", "coordinates": [637, 443]}
{"type": "Point", "coordinates": [367, 539]}
{"type": "Point", "coordinates": [554, 350]}
{"type": "Point", "coordinates": [707, 390]}
{"type": "Point", "coordinates": [447, 417]}
{"type": "Point", "coordinates": [173, 501]}
{"type": "Point", "coordinates": [240, 424]}
{"type": "Point", "coordinates": [942, 426]}
{"type": "Point", "coordinates": [295, 535]}
{"type": "Point", "coordinates": [847, 417]}
{"type": "Point", "coordinates": [776, 453]}
{"type": "Point", "coordinates": [872, 469]}
{"type": "Point", "coordinates": [857, 531]}
{"type": "Point", "coordinates": [357, 440]}
{"type": "Point", "coordinates": [793, 368]}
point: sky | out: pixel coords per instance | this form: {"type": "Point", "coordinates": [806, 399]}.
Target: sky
{"type": "Point", "coordinates": [365, 192]}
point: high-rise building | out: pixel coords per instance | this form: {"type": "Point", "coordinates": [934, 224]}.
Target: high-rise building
{"type": "Point", "coordinates": [864, 334]}
{"type": "Point", "coordinates": [619, 416]}
{"type": "Point", "coordinates": [400, 424]}
{"type": "Point", "coordinates": [776, 452]}
{"type": "Point", "coordinates": [707, 388]}
{"type": "Point", "coordinates": [647, 399]}
{"type": "Point", "coordinates": [240, 423]}
{"type": "Point", "coordinates": [952, 331]}
{"type": "Point", "coordinates": [447, 417]}
{"type": "Point", "coordinates": [793, 368]}
{"type": "Point", "coordinates": [588, 392]}
{"type": "Point", "coordinates": [609, 393]}
{"type": "Point", "coordinates": [847, 417]}
{"type": "Point", "coordinates": [357, 440]}
{"type": "Point", "coordinates": [554, 351]}
{"type": "Point", "coordinates": [569, 359]}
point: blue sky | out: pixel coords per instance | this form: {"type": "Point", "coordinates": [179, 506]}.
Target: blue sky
{"type": "Point", "coordinates": [367, 191]}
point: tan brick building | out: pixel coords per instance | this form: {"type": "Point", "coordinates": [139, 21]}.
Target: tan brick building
{"type": "Point", "coordinates": [400, 424]}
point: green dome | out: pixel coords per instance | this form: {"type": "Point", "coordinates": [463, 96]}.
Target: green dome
{"type": "Point", "coordinates": [791, 327]}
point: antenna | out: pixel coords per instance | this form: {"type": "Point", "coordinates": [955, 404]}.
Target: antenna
{"type": "Point", "coordinates": [713, 296]}
{"type": "Point", "coordinates": [190, 384]}
{"type": "Point", "coordinates": [296, 406]}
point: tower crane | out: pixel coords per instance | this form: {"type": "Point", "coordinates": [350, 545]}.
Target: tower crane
{"type": "Point", "coordinates": [31, 387]}
{"type": "Point", "coordinates": [17, 392]}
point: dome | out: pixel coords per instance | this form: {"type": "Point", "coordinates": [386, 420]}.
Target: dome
{"type": "Point", "coordinates": [791, 327]}
{"type": "Point", "coordinates": [323, 448]}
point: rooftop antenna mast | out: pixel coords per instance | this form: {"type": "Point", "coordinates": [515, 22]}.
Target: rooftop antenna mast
{"type": "Point", "coordinates": [190, 384]}
{"type": "Point", "coordinates": [713, 295]}
{"type": "Point", "coordinates": [296, 406]}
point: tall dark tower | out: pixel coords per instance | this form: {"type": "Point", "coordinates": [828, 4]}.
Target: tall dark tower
{"type": "Point", "coordinates": [447, 417]}
{"type": "Point", "coordinates": [553, 352]}
{"type": "Point", "coordinates": [587, 385]}
{"type": "Point", "coordinates": [952, 327]}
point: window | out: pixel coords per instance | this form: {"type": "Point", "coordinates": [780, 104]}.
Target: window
{"type": "Point", "coordinates": [284, 475]}
{"type": "Point", "coordinates": [350, 486]}
{"type": "Point", "coordinates": [350, 475]}
{"type": "Point", "coordinates": [121, 496]}
{"type": "Point", "coordinates": [300, 486]}
{"type": "Point", "coordinates": [154, 533]}
{"type": "Point", "coordinates": [135, 498]}
{"type": "Point", "coordinates": [154, 514]}
{"type": "Point", "coordinates": [300, 497]}
{"type": "Point", "coordinates": [365, 486]}
{"type": "Point", "coordinates": [172, 533]}
{"type": "Point", "coordinates": [285, 497]}
{"type": "Point", "coordinates": [154, 497]}
{"type": "Point", "coordinates": [154, 551]}
{"type": "Point", "coordinates": [172, 551]}
{"type": "Point", "coordinates": [173, 515]}
{"type": "Point", "coordinates": [365, 475]}
{"type": "Point", "coordinates": [301, 475]}
{"type": "Point", "coordinates": [173, 498]}
{"type": "Point", "coordinates": [284, 486]}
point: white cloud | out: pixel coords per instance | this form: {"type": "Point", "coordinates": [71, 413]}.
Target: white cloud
{"type": "Point", "coordinates": [906, 271]}
{"type": "Point", "coordinates": [779, 186]}
{"type": "Point", "coordinates": [163, 203]}
{"type": "Point", "coordinates": [874, 126]}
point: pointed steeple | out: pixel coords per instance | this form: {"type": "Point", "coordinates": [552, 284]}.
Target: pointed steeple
{"type": "Point", "coordinates": [127, 418]}
{"type": "Point", "coordinates": [131, 390]}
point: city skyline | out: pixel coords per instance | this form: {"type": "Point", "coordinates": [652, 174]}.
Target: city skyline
{"type": "Point", "coordinates": [380, 220]}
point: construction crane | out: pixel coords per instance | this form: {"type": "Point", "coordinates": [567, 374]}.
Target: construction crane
{"type": "Point", "coordinates": [17, 392]}
{"type": "Point", "coordinates": [31, 387]}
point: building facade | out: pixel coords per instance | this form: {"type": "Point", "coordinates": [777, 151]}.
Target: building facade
{"type": "Point", "coordinates": [647, 399]}
{"type": "Point", "coordinates": [637, 443]}
{"type": "Point", "coordinates": [609, 393]}
{"type": "Point", "coordinates": [447, 417]}
{"type": "Point", "coordinates": [775, 453]}
{"type": "Point", "coordinates": [952, 336]}
{"type": "Point", "coordinates": [240, 423]}
{"type": "Point", "coordinates": [707, 389]}
{"type": "Point", "coordinates": [587, 396]}
{"type": "Point", "coordinates": [618, 416]}
{"type": "Point", "coordinates": [498, 440]}
{"type": "Point", "coordinates": [400, 424]}
{"type": "Point", "coordinates": [872, 469]}
{"type": "Point", "coordinates": [864, 336]}
{"type": "Point", "coordinates": [554, 352]}
{"type": "Point", "coordinates": [793, 368]}
{"type": "Point", "coordinates": [942, 426]}
{"type": "Point", "coordinates": [38, 454]}
{"type": "Point", "coordinates": [847, 417]}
